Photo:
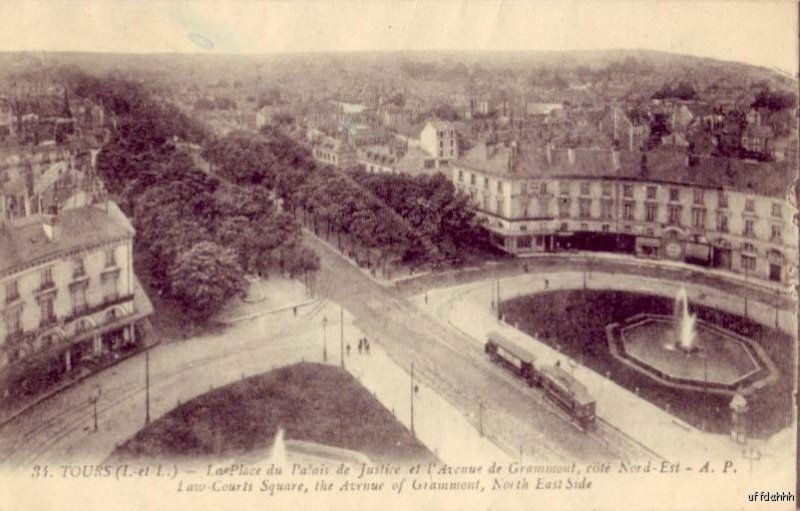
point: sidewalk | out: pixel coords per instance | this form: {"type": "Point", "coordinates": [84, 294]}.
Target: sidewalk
{"type": "Point", "coordinates": [767, 287]}
{"type": "Point", "coordinates": [466, 308]}
{"type": "Point", "coordinates": [263, 297]}
{"type": "Point", "coordinates": [438, 425]}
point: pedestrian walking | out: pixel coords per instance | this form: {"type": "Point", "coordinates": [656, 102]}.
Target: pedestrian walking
{"type": "Point", "coordinates": [546, 284]}
{"type": "Point", "coordinates": [294, 310]}
{"type": "Point", "coordinates": [366, 345]}
{"type": "Point", "coordinates": [348, 349]}
{"type": "Point", "coordinates": [360, 345]}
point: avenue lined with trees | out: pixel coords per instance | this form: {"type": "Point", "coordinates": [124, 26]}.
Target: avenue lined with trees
{"type": "Point", "coordinates": [200, 231]}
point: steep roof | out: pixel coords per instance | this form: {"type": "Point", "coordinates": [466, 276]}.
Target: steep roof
{"type": "Point", "coordinates": [26, 242]}
{"type": "Point", "coordinates": [670, 166]}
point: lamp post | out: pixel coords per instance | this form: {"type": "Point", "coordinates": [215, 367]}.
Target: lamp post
{"type": "Point", "coordinates": [499, 313]}
{"type": "Point", "coordinates": [480, 418]}
{"type": "Point", "coordinates": [93, 401]}
{"type": "Point", "coordinates": [146, 387]}
{"type": "Point", "coordinates": [705, 390]}
{"type": "Point", "coordinates": [746, 285]}
{"type": "Point", "coordinates": [324, 339]}
{"type": "Point", "coordinates": [777, 306]}
{"type": "Point", "coordinates": [414, 390]}
{"type": "Point", "coordinates": [341, 334]}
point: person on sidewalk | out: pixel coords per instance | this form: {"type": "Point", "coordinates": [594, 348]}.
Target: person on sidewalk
{"type": "Point", "coordinates": [348, 349]}
{"type": "Point", "coordinates": [360, 345]}
{"type": "Point", "coordinates": [366, 345]}
{"type": "Point", "coordinates": [546, 284]}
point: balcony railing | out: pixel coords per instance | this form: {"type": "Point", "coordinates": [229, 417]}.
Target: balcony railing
{"type": "Point", "coordinates": [46, 286]}
{"type": "Point", "coordinates": [109, 301]}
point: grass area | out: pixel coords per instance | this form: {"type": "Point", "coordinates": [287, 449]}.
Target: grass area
{"type": "Point", "coordinates": [312, 402]}
{"type": "Point", "coordinates": [574, 321]}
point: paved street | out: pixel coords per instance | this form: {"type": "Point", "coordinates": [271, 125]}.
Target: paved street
{"type": "Point", "coordinates": [457, 383]}
{"type": "Point", "coordinates": [466, 307]}
{"type": "Point", "coordinates": [450, 363]}
{"type": "Point", "coordinates": [61, 427]}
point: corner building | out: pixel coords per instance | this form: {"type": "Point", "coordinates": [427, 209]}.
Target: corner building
{"type": "Point", "coordinates": [713, 212]}
{"type": "Point", "coordinates": [69, 299]}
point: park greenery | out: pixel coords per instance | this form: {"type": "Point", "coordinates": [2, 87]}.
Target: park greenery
{"type": "Point", "coordinates": [208, 210]}
{"type": "Point", "coordinates": [199, 234]}
{"type": "Point", "coordinates": [311, 402]}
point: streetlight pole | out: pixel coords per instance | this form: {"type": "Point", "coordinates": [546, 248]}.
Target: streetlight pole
{"type": "Point", "coordinates": [341, 333]}
{"type": "Point", "coordinates": [777, 306]}
{"type": "Point", "coordinates": [480, 418]}
{"type": "Point", "coordinates": [412, 399]}
{"type": "Point", "coordinates": [499, 314]}
{"type": "Point", "coordinates": [705, 390]}
{"type": "Point", "coordinates": [147, 386]}
{"type": "Point", "coordinates": [93, 400]}
{"type": "Point", "coordinates": [746, 285]}
{"type": "Point", "coordinates": [324, 339]}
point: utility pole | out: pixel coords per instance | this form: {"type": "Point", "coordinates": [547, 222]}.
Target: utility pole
{"type": "Point", "coordinates": [147, 386]}
{"type": "Point", "coordinates": [777, 306]}
{"type": "Point", "coordinates": [341, 333]}
{"type": "Point", "coordinates": [499, 313]}
{"type": "Point", "coordinates": [414, 390]}
{"type": "Point", "coordinates": [324, 338]}
{"type": "Point", "coordinates": [746, 286]}
{"type": "Point", "coordinates": [412, 399]}
{"type": "Point", "coordinates": [480, 418]}
{"type": "Point", "coordinates": [705, 391]}
{"type": "Point", "coordinates": [93, 400]}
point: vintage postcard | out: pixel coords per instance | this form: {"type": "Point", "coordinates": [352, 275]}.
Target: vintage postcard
{"type": "Point", "coordinates": [459, 255]}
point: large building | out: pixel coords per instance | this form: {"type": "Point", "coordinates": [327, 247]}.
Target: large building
{"type": "Point", "coordinates": [438, 138]}
{"type": "Point", "coordinates": [332, 151]}
{"type": "Point", "coordinates": [717, 212]}
{"type": "Point", "coordinates": [35, 178]}
{"type": "Point", "coordinates": [69, 298]}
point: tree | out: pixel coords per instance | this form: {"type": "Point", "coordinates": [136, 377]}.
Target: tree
{"type": "Point", "coordinates": [774, 101]}
{"type": "Point", "coordinates": [205, 277]}
{"type": "Point", "coordinates": [659, 127]}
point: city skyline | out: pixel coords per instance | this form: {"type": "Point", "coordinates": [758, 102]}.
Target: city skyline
{"type": "Point", "coordinates": [290, 27]}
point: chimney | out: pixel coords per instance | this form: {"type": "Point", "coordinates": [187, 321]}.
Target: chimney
{"type": "Point", "coordinates": [52, 228]}
{"type": "Point", "coordinates": [512, 158]}
{"type": "Point", "coordinates": [571, 155]}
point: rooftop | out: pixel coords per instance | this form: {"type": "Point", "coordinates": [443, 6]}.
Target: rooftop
{"type": "Point", "coordinates": [761, 178]}
{"type": "Point", "coordinates": [26, 242]}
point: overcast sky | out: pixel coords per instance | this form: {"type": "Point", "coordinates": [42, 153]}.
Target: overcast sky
{"type": "Point", "coordinates": [757, 32]}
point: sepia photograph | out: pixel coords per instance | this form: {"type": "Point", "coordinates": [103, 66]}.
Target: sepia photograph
{"type": "Point", "coordinates": [434, 255]}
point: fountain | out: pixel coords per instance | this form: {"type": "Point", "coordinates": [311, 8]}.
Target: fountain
{"type": "Point", "coordinates": [684, 335]}
{"type": "Point", "coordinates": [278, 455]}
{"type": "Point", "coordinates": [683, 351]}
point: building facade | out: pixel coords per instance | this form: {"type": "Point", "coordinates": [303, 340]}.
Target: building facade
{"type": "Point", "coordinates": [439, 139]}
{"type": "Point", "coordinates": [614, 201]}
{"type": "Point", "coordinates": [68, 296]}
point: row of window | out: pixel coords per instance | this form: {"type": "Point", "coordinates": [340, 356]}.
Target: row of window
{"type": "Point", "coordinates": [46, 302]}
{"type": "Point", "coordinates": [46, 274]}
{"type": "Point", "coordinates": [674, 214]}
{"type": "Point", "coordinates": [698, 195]}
